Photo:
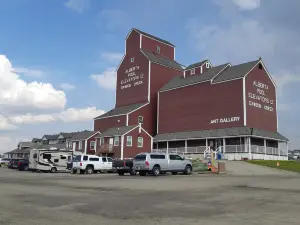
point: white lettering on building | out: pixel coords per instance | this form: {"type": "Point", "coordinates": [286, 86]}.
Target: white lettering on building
{"type": "Point", "coordinates": [225, 120]}
{"type": "Point", "coordinates": [132, 78]}
{"type": "Point", "coordinates": [260, 99]}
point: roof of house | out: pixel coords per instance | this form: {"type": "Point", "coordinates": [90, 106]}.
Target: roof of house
{"type": "Point", "coordinates": [36, 139]}
{"type": "Point", "coordinates": [25, 143]}
{"type": "Point", "coordinates": [67, 135]}
{"type": "Point", "coordinates": [83, 135]}
{"type": "Point", "coordinates": [180, 81]}
{"type": "Point", "coordinates": [162, 60]}
{"type": "Point", "coordinates": [196, 64]}
{"type": "Point", "coordinates": [51, 137]}
{"type": "Point", "coordinates": [116, 131]}
{"type": "Point", "coordinates": [235, 72]}
{"type": "Point", "coordinates": [226, 132]}
{"type": "Point", "coordinates": [121, 110]}
{"type": "Point", "coordinates": [151, 36]}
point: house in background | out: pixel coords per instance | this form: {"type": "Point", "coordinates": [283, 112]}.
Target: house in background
{"type": "Point", "coordinates": [36, 140]}
{"type": "Point", "coordinates": [83, 142]}
{"type": "Point", "coordinates": [50, 139]}
{"type": "Point", "coordinates": [22, 150]}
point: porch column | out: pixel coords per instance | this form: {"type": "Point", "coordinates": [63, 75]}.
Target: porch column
{"type": "Point", "coordinates": [287, 149]}
{"type": "Point", "coordinates": [206, 143]}
{"type": "Point", "coordinates": [224, 145]}
{"type": "Point", "coordinates": [167, 147]}
{"type": "Point", "coordinates": [249, 138]}
{"type": "Point", "coordinates": [122, 146]}
{"type": "Point", "coordinates": [265, 144]}
{"type": "Point", "coordinates": [185, 145]}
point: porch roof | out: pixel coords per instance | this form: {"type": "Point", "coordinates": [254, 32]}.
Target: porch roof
{"type": "Point", "coordinates": [116, 131]}
{"type": "Point", "coordinates": [219, 133]}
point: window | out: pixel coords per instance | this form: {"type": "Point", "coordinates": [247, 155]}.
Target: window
{"type": "Point", "coordinates": [140, 157]}
{"type": "Point", "coordinates": [175, 157]}
{"type": "Point", "coordinates": [132, 59]}
{"type": "Point", "coordinates": [56, 160]}
{"type": "Point", "coordinates": [34, 156]}
{"type": "Point", "coordinates": [80, 145]}
{"type": "Point", "coordinates": [104, 159]}
{"type": "Point", "coordinates": [94, 159]}
{"type": "Point", "coordinates": [77, 158]}
{"type": "Point", "coordinates": [140, 119]}
{"type": "Point", "coordinates": [192, 71]}
{"type": "Point", "coordinates": [116, 141]}
{"type": "Point", "coordinates": [92, 145]}
{"type": "Point", "coordinates": [85, 158]}
{"type": "Point", "coordinates": [260, 66]}
{"type": "Point", "coordinates": [207, 65]}
{"type": "Point", "coordinates": [129, 141]}
{"type": "Point", "coordinates": [140, 142]}
{"type": "Point", "coordinates": [109, 159]}
{"type": "Point", "coordinates": [153, 156]}
{"type": "Point", "coordinates": [158, 49]}
{"type": "Point", "coordinates": [63, 157]}
{"type": "Point", "coordinates": [46, 156]}
{"type": "Point", "coordinates": [101, 141]}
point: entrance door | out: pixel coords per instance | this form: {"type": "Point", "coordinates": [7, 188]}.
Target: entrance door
{"type": "Point", "coordinates": [111, 142]}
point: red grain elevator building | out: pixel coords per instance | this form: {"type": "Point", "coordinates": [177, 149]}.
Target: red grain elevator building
{"type": "Point", "coordinates": [164, 106]}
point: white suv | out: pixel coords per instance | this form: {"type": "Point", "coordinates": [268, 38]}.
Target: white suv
{"type": "Point", "coordinates": [91, 164]}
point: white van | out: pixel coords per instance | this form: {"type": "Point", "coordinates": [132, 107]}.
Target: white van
{"type": "Point", "coordinates": [91, 164]}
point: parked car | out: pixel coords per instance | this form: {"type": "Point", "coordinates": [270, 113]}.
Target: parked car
{"type": "Point", "coordinates": [156, 163]}
{"type": "Point", "coordinates": [91, 164]}
{"type": "Point", "coordinates": [4, 161]}
{"type": "Point", "coordinates": [123, 166]}
{"type": "Point", "coordinates": [23, 164]}
{"type": "Point", "coordinates": [12, 164]}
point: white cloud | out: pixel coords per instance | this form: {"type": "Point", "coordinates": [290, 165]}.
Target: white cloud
{"type": "Point", "coordinates": [29, 72]}
{"type": "Point", "coordinates": [68, 116]}
{"type": "Point", "coordinates": [78, 5]}
{"type": "Point", "coordinates": [8, 143]}
{"type": "Point", "coordinates": [107, 79]}
{"type": "Point", "coordinates": [113, 57]}
{"type": "Point", "coordinates": [247, 4]}
{"type": "Point", "coordinates": [15, 92]}
{"type": "Point", "coordinates": [67, 86]}
{"type": "Point", "coordinates": [5, 124]}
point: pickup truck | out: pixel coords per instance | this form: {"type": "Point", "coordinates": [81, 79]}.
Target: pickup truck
{"type": "Point", "coordinates": [123, 166]}
{"type": "Point", "coordinates": [91, 164]}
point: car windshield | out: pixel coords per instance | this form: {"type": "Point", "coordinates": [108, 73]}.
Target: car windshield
{"type": "Point", "coordinates": [77, 158]}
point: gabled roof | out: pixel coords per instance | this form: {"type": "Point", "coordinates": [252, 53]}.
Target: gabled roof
{"type": "Point", "coordinates": [162, 60]}
{"type": "Point", "coordinates": [180, 81]}
{"type": "Point", "coordinates": [151, 36]}
{"type": "Point", "coordinates": [116, 131]}
{"type": "Point", "coordinates": [226, 132]}
{"type": "Point", "coordinates": [235, 72]}
{"type": "Point", "coordinates": [25, 143]}
{"type": "Point", "coordinates": [122, 110]}
{"type": "Point", "coordinates": [83, 135]}
{"type": "Point", "coordinates": [51, 137]}
{"type": "Point", "coordinates": [67, 135]}
{"type": "Point", "coordinates": [36, 139]}
{"type": "Point", "coordinates": [196, 64]}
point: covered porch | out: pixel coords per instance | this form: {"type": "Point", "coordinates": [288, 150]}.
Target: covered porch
{"type": "Point", "coordinates": [233, 143]}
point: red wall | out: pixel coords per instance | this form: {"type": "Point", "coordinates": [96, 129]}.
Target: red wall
{"type": "Point", "coordinates": [150, 45]}
{"type": "Point", "coordinates": [260, 118]}
{"type": "Point", "coordinates": [105, 123]}
{"type": "Point", "coordinates": [131, 152]}
{"type": "Point", "coordinates": [194, 107]}
{"type": "Point", "coordinates": [197, 70]}
{"type": "Point", "coordinates": [136, 79]}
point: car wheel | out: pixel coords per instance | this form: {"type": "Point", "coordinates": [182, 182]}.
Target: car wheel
{"type": "Point", "coordinates": [73, 171]}
{"type": "Point", "coordinates": [156, 170]}
{"type": "Point", "coordinates": [142, 173]}
{"type": "Point", "coordinates": [26, 168]}
{"type": "Point", "coordinates": [174, 173]}
{"type": "Point", "coordinates": [121, 173]}
{"type": "Point", "coordinates": [133, 172]}
{"type": "Point", "coordinates": [188, 170]}
{"type": "Point", "coordinates": [89, 170]}
{"type": "Point", "coordinates": [53, 170]}
{"type": "Point", "coordinates": [82, 171]}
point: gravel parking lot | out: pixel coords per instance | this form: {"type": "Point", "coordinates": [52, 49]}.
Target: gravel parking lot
{"type": "Point", "coordinates": [44, 198]}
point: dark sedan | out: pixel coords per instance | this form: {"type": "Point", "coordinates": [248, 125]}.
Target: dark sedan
{"type": "Point", "coordinates": [23, 164]}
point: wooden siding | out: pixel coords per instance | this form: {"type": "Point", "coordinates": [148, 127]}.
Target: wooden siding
{"type": "Point", "coordinates": [89, 151]}
{"type": "Point", "coordinates": [195, 107]}
{"type": "Point", "coordinates": [105, 123]}
{"type": "Point", "coordinates": [257, 115]}
{"type": "Point", "coordinates": [150, 45]}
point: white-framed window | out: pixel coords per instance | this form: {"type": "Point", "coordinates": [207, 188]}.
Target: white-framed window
{"type": "Point", "coordinates": [207, 65]}
{"type": "Point", "coordinates": [116, 141]}
{"type": "Point", "coordinates": [140, 119]}
{"type": "Point", "coordinates": [140, 142]}
{"type": "Point", "coordinates": [129, 141]}
{"type": "Point", "coordinates": [132, 59]}
{"type": "Point", "coordinates": [192, 71]}
{"type": "Point", "coordinates": [92, 145]}
{"type": "Point", "coordinates": [157, 49]}
{"type": "Point", "coordinates": [80, 145]}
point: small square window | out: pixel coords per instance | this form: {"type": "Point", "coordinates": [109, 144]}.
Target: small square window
{"type": "Point", "coordinates": [92, 145]}
{"type": "Point", "coordinates": [129, 141]}
{"type": "Point", "coordinates": [140, 142]}
{"type": "Point", "coordinates": [116, 141]}
{"type": "Point", "coordinates": [132, 59]}
{"type": "Point", "coordinates": [158, 49]}
{"type": "Point", "coordinates": [207, 65]}
{"type": "Point", "coordinates": [192, 71]}
{"type": "Point", "coordinates": [140, 119]}
{"type": "Point", "coordinates": [260, 66]}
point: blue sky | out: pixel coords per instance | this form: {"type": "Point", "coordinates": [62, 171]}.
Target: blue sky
{"type": "Point", "coordinates": [65, 51]}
